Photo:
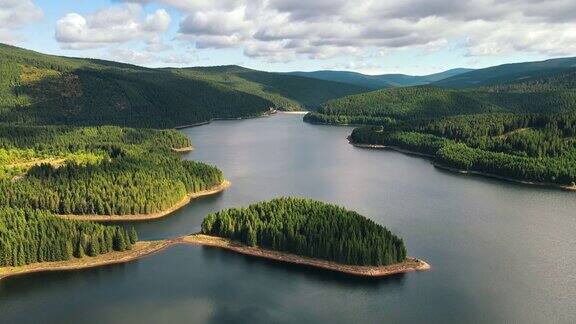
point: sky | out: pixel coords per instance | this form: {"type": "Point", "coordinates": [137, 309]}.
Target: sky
{"type": "Point", "coordinates": [368, 36]}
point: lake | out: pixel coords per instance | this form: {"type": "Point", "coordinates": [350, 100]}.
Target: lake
{"type": "Point", "coordinates": [500, 252]}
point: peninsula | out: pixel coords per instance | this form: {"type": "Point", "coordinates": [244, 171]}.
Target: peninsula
{"type": "Point", "coordinates": [145, 248]}
{"type": "Point", "coordinates": [283, 230]}
{"type": "Point", "coordinates": [155, 215]}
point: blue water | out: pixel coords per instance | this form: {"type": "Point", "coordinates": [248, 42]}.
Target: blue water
{"type": "Point", "coordinates": [499, 252]}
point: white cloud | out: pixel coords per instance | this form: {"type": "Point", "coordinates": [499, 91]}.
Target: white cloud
{"type": "Point", "coordinates": [360, 65]}
{"type": "Point", "coordinates": [282, 30]}
{"type": "Point", "coordinates": [194, 5]}
{"type": "Point", "coordinates": [130, 56]}
{"type": "Point", "coordinates": [15, 14]}
{"type": "Point", "coordinates": [114, 25]}
{"type": "Point", "coordinates": [149, 58]}
{"type": "Point", "coordinates": [179, 59]}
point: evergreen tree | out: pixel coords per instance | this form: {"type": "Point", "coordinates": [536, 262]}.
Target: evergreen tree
{"type": "Point", "coordinates": [133, 235]}
{"type": "Point", "coordinates": [29, 236]}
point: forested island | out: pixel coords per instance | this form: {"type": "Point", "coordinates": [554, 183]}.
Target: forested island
{"type": "Point", "coordinates": [304, 228]}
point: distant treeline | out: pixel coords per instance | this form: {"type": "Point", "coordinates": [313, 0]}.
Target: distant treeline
{"type": "Point", "coordinates": [310, 228]}
{"type": "Point", "coordinates": [39, 89]}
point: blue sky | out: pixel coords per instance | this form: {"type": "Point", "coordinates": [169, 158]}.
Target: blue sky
{"type": "Point", "coordinates": [415, 36]}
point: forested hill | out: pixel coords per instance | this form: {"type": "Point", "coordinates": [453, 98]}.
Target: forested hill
{"type": "Point", "coordinates": [543, 94]}
{"type": "Point", "coordinates": [508, 73]}
{"type": "Point", "coordinates": [44, 89]}
{"type": "Point", "coordinates": [287, 92]}
{"type": "Point", "coordinates": [526, 147]}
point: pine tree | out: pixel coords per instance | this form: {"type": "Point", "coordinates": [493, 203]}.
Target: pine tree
{"type": "Point", "coordinates": [133, 235]}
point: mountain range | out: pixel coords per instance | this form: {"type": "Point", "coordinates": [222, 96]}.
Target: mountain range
{"type": "Point", "coordinates": [37, 88]}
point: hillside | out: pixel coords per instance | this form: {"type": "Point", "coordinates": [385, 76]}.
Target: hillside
{"type": "Point", "coordinates": [380, 81]}
{"type": "Point", "coordinates": [410, 102]}
{"type": "Point", "coordinates": [542, 94]}
{"type": "Point", "coordinates": [44, 89]}
{"type": "Point", "coordinates": [286, 92]}
{"type": "Point", "coordinates": [508, 73]}
{"type": "Point", "coordinates": [533, 149]}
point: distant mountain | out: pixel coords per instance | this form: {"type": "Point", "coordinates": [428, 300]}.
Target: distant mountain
{"type": "Point", "coordinates": [508, 73]}
{"type": "Point", "coordinates": [369, 81]}
{"type": "Point", "coordinates": [380, 81]}
{"type": "Point", "coordinates": [542, 94]}
{"type": "Point", "coordinates": [285, 91]}
{"type": "Point", "coordinates": [403, 80]}
{"type": "Point", "coordinates": [36, 88]}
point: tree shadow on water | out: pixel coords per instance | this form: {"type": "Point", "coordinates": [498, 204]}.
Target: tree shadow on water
{"type": "Point", "coordinates": [310, 272]}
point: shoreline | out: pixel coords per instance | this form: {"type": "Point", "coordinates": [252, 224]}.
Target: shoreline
{"type": "Point", "coordinates": [465, 172]}
{"type": "Point", "coordinates": [266, 114]}
{"type": "Point", "coordinates": [495, 176]}
{"type": "Point", "coordinates": [139, 250]}
{"type": "Point", "coordinates": [142, 249]}
{"type": "Point", "coordinates": [335, 124]}
{"type": "Point", "coordinates": [183, 149]}
{"type": "Point", "coordinates": [294, 112]}
{"type": "Point", "coordinates": [391, 148]}
{"type": "Point", "coordinates": [152, 216]}
{"type": "Point", "coordinates": [410, 265]}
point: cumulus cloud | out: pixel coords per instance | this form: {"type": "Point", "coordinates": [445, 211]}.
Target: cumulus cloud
{"type": "Point", "coordinates": [15, 14]}
{"type": "Point", "coordinates": [281, 30]}
{"type": "Point", "coordinates": [114, 25]}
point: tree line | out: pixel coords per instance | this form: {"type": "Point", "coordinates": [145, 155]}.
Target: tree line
{"type": "Point", "coordinates": [29, 236]}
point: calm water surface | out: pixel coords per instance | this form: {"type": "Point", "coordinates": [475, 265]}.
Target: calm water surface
{"type": "Point", "coordinates": [500, 252]}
